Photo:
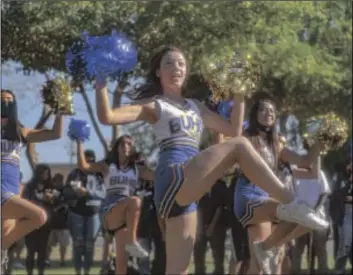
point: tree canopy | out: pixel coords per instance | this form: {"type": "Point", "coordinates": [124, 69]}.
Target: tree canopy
{"type": "Point", "coordinates": [304, 49]}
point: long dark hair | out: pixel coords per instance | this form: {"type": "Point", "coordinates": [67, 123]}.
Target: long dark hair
{"type": "Point", "coordinates": [255, 128]}
{"type": "Point", "coordinates": [153, 86]}
{"type": "Point", "coordinates": [37, 177]}
{"type": "Point", "coordinates": [113, 155]}
{"type": "Point", "coordinates": [14, 127]}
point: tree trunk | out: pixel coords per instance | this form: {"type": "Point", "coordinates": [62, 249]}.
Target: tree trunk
{"type": "Point", "coordinates": [30, 150]}
{"type": "Point", "coordinates": [93, 119]}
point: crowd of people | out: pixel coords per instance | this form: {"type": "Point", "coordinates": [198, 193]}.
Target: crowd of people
{"type": "Point", "coordinates": [274, 202]}
{"type": "Point", "coordinates": [215, 219]}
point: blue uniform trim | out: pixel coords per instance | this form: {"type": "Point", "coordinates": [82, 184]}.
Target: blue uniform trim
{"type": "Point", "coordinates": [168, 199]}
{"type": "Point", "coordinates": [247, 197]}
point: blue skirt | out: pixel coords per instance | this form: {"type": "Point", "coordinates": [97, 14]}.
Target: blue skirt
{"type": "Point", "coordinates": [169, 176]}
{"type": "Point", "coordinates": [247, 196]}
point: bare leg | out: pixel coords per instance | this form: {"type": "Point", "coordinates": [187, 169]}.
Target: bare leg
{"type": "Point", "coordinates": [203, 171]}
{"type": "Point", "coordinates": [28, 218]}
{"type": "Point", "coordinates": [180, 239]}
{"type": "Point", "coordinates": [132, 217]}
{"type": "Point", "coordinates": [121, 257]}
{"type": "Point", "coordinates": [284, 233]}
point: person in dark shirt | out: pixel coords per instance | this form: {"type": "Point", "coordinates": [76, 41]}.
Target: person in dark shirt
{"type": "Point", "coordinates": [149, 232]}
{"type": "Point", "coordinates": [84, 193]}
{"type": "Point", "coordinates": [37, 191]}
{"type": "Point", "coordinates": [59, 234]}
{"type": "Point", "coordinates": [212, 228]}
{"type": "Point", "coordinates": [240, 258]}
{"type": "Point", "coordinates": [344, 251]}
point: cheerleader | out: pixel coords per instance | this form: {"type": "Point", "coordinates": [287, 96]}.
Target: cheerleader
{"type": "Point", "coordinates": [256, 208]}
{"type": "Point", "coordinates": [120, 209]}
{"type": "Point", "coordinates": [184, 174]}
{"type": "Point", "coordinates": [28, 216]}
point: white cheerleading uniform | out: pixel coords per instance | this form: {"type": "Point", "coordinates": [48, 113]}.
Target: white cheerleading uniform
{"type": "Point", "coordinates": [119, 184]}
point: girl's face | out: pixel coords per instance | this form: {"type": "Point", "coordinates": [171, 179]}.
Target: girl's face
{"type": "Point", "coordinates": [266, 115]}
{"type": "Point", "coordinates": [125, 148]}
{"type": "Point", "coordinates": [8, 98]}
{"type": "Point", "coordinates": [172, 71]}
{"type": "Point", "coordinates": [45, 174]}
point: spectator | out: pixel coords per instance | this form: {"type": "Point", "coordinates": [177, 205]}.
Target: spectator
{"type": "Point", "coordinates": [59, 234]}
{"type": "Point", "coordinates": [345, 225]}
{"type": "Point", "coordinates": [314, 190]}
{"type": "Point", "coordinates": [212, 228]}
{"type": "Point", "coordinates": [149, 233]}
{"type": "Point", "coordinates": [87, 191]}
{"type": "Point", "coordinates": [239, 262]}
{"type": "Point", "coordinates": [38, 192]}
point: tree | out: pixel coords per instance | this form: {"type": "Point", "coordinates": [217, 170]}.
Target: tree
{"type": "Point", "coordinates": [303, 49]}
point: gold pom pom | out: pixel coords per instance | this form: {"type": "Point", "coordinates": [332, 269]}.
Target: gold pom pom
{"type": "Point", "coordinates": [229, 76]}
{"type": "Point", "coordinates": [57, 94]}
{"type": "Point", "coordinates": [329, 129]}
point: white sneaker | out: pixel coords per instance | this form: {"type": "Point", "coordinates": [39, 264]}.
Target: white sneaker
{"type": "Point", "coordinates": [299, 212]}
{"type": "Point", "coordinates": [135, 250]}
{"type": "Point", "coordinates": [265, 258]}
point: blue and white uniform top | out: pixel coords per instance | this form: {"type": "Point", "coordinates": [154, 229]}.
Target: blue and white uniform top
{"type": "Point", "coordinates": [123, 182]}
{"type": "Point", "coordinates": [178, 125]}
{"type": "Point", "coordinates": [11, 145]}
{"type": "Point", "coordinates": [178, 132]}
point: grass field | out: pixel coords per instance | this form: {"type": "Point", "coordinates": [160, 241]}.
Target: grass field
{"type": "Point", "coordinates": [56, 269]}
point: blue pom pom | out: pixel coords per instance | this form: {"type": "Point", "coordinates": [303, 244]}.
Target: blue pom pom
{"type": "Point", "coordinates": [79, 130]}
{"type": "Point", "coordinates": [224, 109]}
{"type": "Point", "coordinates": [108, 55]}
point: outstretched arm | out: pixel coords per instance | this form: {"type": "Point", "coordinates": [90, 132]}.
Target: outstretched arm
{"type": "Point", "coordinates": [95, 167]}
{"type": "Point", "coordinates": [302, 161]}
{"type": "Point", "coordinates": [145, 111]}
{"type": "Point", "coordinates": [218, 124]}
{"type": "Point", "coordinates": [41, 135]}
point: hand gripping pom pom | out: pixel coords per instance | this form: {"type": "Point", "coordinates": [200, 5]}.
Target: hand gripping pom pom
{"type": "Point", "coordinates": [329, 129]}
{"type": "Point", "coordinates": [227, 73]}
{"type": "Point", "coordinates": [57, 94]}
{"type": "Point", "coordinates": [224, 109]}
{"type": "Point", "coordinates": [108, 55]}
{"type": "Point", "coordinates": [79, 130]}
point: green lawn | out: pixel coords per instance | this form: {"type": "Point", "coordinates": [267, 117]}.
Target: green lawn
{"type": "Point", "coordinates": [56, 269]}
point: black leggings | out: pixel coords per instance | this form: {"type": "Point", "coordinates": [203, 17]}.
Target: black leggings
{"type": "Point", "coordinates": [37, 242]}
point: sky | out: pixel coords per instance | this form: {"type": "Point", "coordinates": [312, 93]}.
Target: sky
{"type": "Point", "coordinates": [27, 90]}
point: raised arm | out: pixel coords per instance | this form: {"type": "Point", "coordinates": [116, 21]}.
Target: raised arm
{"type": "Point", "coordinates": [312, 172]}
{"type": "Point", "coordinates": [41, 135]}
{"type": "Point", "coordinates": [95, 167]}
{"type": "Point", "coordinates": [144, 111]}
{"type": "Point", "coordinates": [302, 161]}
{"type": "Point", "coordinates": [218, 124]}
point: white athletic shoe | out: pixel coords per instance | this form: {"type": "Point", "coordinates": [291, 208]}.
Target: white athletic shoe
{"type": "Point", "coordinates": [135, 250]}
{"type": "Point", "coordinates": [265, 258]}
{"type": "Point", "coordinates": [299, 212]}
